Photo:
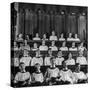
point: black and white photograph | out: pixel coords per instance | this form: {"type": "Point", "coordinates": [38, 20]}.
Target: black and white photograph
{"type": "Point", "coordinates": [49, 44]}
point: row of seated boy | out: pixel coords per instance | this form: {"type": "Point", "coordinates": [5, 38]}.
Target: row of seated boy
{"type": "Point", "coordinates": [44, 47]}
{"type": "Point", "coordinates": [45, 61]}
{"type": "Point", "coordinates": [52, 76]}
{"type": "Point", "coordinates": [44, 54]}
{"type": "Point", "coordinates": [52, 37]}
{"type": "Point", "coordinates": [43, 69]}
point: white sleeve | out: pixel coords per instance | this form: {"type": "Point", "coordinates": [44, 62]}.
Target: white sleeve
{"type": "Point", "coordinates": [32, 62]}
{"type": "Point", "coordinates": [50, 38]}
{"type": "Point", "coordinates": [56, 38]}
{"type": "Point", "coordinates": [74, 61]}
{"type": "Point", "coordinates": [85, 60]}
{"type": "Point", "coordinates": [29, 47]}
{"type": "Point", "coordinates": [58, 71]}
{"type": "Point", "coordinates": [41, 61]}
{"type": "Point", "coordinates": [48, 74]}
{"type": "Point", "coordinates": [47, 47]}
{"type": "Point", "coordinates": [75, 78]}
{"type": "Point", "coordinates": [32, 77]}
{"type": "Point", "coordinates": [77, 60]}
{"type": "Point", "coordinates": [42, 78]}
{"type": "Point", "coordinates": [29, 76]}
{"type": "Point", "coordinates": [70, 72]}
{"type": "Point", "coordinates": [33, 38]}
{"type": "Point", "coordinates": [16, 79]}
{"type": "Point", "coordinates": [21, 59]}
{"type": "Point", "coordinates": [45, 61]}
{"type": "Point", "coordinates": [39, 47]}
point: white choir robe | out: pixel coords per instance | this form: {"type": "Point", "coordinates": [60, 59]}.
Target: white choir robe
{"type": "Point", "coordinates": [53, 38]}
{"type": "Point", "coordinates": [26, 60]}
{"type": "Point", "coordinates": [81, 48]}
{"type": "Point", "coordinates": [76, 39]}
{"type": "Point", "coordinates": [70, 39]}
{"type": "Point", "coordinates": [37, 77]}
{"type": "Point", "coordinates": [27, 47]}
{"type": "Point", "coordinates": [66, 76]}
{"type": "Point", "coordinates": [16, 62]}
{"type": "Point", "coordinates": [15, 48]}
{"type": "Point", "coordinates": [43, 48]}
{"type": "Point", "coordinates": [37, 60]}
{"type": "Point", "coordinates": [34, 49]}
{"type": "Point", "coordinates": [20, 39]}
{"type": "Point", "coordinates": [53, 48]}
{"type": "Point", "coordinates": [22, 76]}
{"type": "Point", "coordinates": [79, 76]}
{"type": "Point", "coordinates": [73, 49]}
{"type": "Point", "coordinates": [63, 48]}
{"type": "Point", "coordinates": [21, 48]}
{"type": "Point", "coordinates": [81, 60]}
{"type": "Point", "coordinates": [70, 62]}
{"type": "Point", "coordinates": [87, 75]}
{"type": "Point", "coordinates": [44, 39]}
{"type": "Point", "coordinates": [35, 38]}
{"type": "Point", "coordinates": [61, 39]}
{"type": "Point", "coordinates": [47, 61]}
{"type": "Point", "coordinates": [59, 60]}
{"type": "Point", "coordinates": [52, 72]}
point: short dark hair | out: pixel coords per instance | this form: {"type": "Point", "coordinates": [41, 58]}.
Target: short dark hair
{"type": "Point", "coordinates": [49, 49]}
{"type": "Point", "coordinates": [64, 64]}
{"type": "Point", "coordinates": [36, 64]}
{"type": "Point", "coordinates": [77, 64]}
{"type": "Point", "coordinates": [21, 63]}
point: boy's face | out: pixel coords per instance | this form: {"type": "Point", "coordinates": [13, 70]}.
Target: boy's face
{"type": "Point", "coordinates": [22, 67]}
{"type": "Point", "coordinates": [81, 44]}
{"type": "Point", "coordinates": [81, 53]}
{"type": "Point", "coordinates": [44, 36]}
{"type": "Point", "coordinates": [53, 33]}
{"type": "Point", "coordinates": [20, 35]}
{"type": "Point", "coordinates": [83, 13]}
{"type": "Point", "coordinates": [25, 52]}
{"type": "Point", "coordinates": [60, 53]}
{"type": "Point", "coordinates": [75, 35]}
{"type": "Point", "coordinates": [38, 67]}
{"type": "Point", "coordinates": [64, 44]}
{"type": "Point", "coordinates": [50, 52]}
{"type": "Point", "coordinates": [37, 35]}
{"type": "Point", "coordinates": [70, 35]}
{"type": "Point", "coordinates": [53, 43]}
{"type": "Point", "coordinates": [70, 55]}
{"type": "Point", "coordinates": [53, 62]}
{"type": "Point", "coordinates": [78, 68]}
{"type": "Point", "coordinates": [64, 66]}
{"type": "Point", "coordinates": [21, 45]}
{"type": "Point", "coordinates": [35, 45]}
{"type": "Point", "coordinates": [15, 43]}
{"type": "Point", "coordinates": [43, 42]}
{"type": "Point", "coordinates": [38, 53]}
{"type": "Point", "coordinates": [73, 44]}
{"type": "Point", "coordinates": [27, 36]}
{"type": "Point", "coordinates": [61, 35]}
{"type": "Point", "coordinates": [25, 42]}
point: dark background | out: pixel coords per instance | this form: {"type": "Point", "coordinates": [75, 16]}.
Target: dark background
{"type": "Point", "coordinates": [43, 18]}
